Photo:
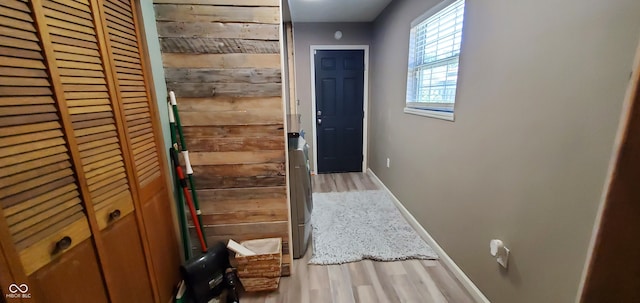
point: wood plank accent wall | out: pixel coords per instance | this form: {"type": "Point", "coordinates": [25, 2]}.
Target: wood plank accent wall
{"type": "Point", "coordinates": [222, 58]}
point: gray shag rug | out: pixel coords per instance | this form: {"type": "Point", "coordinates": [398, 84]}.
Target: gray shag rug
{"type": "Point", "coordinates": [351, 226]}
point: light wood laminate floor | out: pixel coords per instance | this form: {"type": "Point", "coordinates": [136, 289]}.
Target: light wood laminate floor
{"type": "Point", "coordinates": [365, 281]}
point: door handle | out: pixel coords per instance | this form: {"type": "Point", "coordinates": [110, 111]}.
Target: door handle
{"type": "Point", "coordinates": [114, 215]}
{"type": "Point", "coordinates": [319, 121]}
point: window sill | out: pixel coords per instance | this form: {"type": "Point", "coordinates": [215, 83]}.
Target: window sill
{"type": "Point", "coordinates": [429, 113]}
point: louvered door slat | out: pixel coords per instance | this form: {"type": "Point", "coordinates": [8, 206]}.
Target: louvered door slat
{"type": "Point", "coordinates": [75, 50]}
{"type": "Point", "coordinates": [124, 5]}
{"type": "Point", "coordinates": [20, 72]}
{"type": "Point", "coordinates": [86, 102]}
{"type": "Point", "coordinates": [26, 166]}
{"type": "Point", "coordinates": [34, 193]}
{"type": "Point", "coordinates": [126, 53]}
{"type": "Point", "coordinates": [129, 73]}
{"type": "Point", "coordinates": [5, 11]}
{"type": "Point", "coordinates": [32, 137]}
{"type": "Point", "coordinates": [87, 96]}
{"type": "Point", "coordinates": [6, 162]}
{"type": "Point", "coordinates": [94, 144]}
{"type": "Point", "coordinates": [43, 211]}
{"type": "Point", "coordinates": [20, 53]}
{"type": "Point", "coordinates": [17, 120]}
{"type": "Point", "coordinates": [41, 230]}
{"type": "Point", "coordinates": [46, 218]}
{"type": "Point", "coordinates": [106, 191]}
{"type": "Point", "coordinates": [95, 122]}
{"type": "Point", "coordinates": [118, 189]}
{"type": "Point", "coordinates": [15, 81]}
{"type": "Point", "coordinates": [42, 202]}
{"type": "Point", "coordinates": [21, 110]}
{"type": "Point", "coordinates": [78, 58]}
{"type": "Point", "coordinates": [139, 125]}
{"type": "Point", "coordinates": [64, 7]}
{"type": "Point", "coordinates": [29, 128]}
{"type": "Point", "coordinates": [64, 23]}
{"type": "Point", "coordinates": [81, 80]}
{"type": "Point", "coordinates": [16, 5]}
{"type": "Point", "coordinates": [24, 44]}
{"type": "Point", "coordinates": [72, 4]}
{"type": "Point", "coordinates": [96, 137]}
{"type": "Point", "coordinates": [104, 171]}
{"type": "Point", "coordinates": [34, 183]}
{"type": "Point", "coordinates": [72, 42]}
{"type": "Point", "coordinates": [34, 173]}
{"type": "Point", "coordinates": [18, 34]}
{"type": "Point", "coordinates": [62, 16]}
{"type": "Point", "coordinates": [134, 105]}
{"type": "Point", "coordinates": [99, 150]}
{"type": "Point", "coordinates": [20, 62]}
{"type": "Point", "coordinates": [38, 191]}
{"type": "Point", "coordinates": [97, 182]}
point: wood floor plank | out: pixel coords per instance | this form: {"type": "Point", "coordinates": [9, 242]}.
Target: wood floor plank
{"type": "Point", "coordinates": [405, 290]}
{"type": "Point", "coordinates": [448, 286]}
{"type": "Point", "coordinates": [366, 293]}
{"type": "Point", "coordinates": [423, 282]}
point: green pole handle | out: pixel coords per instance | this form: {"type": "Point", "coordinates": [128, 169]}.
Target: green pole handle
{"type": "Point", "coordinates": [185, 154]}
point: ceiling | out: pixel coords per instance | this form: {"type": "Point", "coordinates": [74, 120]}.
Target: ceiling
{"type": "Point", "coordinates": [336, 10]}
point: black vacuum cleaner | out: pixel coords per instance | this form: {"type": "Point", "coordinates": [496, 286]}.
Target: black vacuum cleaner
{"type": "Point", "coordinates": [207, 276]}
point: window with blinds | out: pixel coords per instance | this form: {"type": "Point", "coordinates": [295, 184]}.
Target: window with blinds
{"type": "Point", "coordinates": [434, 52]}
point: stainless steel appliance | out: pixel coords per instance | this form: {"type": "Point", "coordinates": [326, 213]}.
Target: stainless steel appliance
{"type": "Point", "coordinates": [301, 194]}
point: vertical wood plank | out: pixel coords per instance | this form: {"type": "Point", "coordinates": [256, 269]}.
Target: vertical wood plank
{"type": "Point", "coordinates": [293, 100]}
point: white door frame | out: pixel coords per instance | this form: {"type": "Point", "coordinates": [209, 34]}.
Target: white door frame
{"type": "Point", "coordinates": [365, 100]}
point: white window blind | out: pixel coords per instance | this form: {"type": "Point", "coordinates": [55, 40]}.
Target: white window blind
{"type": "Point", "coordinates": [434, 51]}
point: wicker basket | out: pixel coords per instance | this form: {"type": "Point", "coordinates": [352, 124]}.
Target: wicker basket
{"type": "Point", "coordinates": [262, 271]}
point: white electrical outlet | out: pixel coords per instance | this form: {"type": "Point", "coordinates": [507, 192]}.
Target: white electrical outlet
{"type": "Point", "coordinates": [388, 162]}
{"type": "Point", "coordinates": [504, 259]}
{"type": "Point", "coordinates": [500, 252]}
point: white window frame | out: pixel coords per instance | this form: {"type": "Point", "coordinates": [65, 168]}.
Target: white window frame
{"type": "Point", "coordinates": [443, 111]}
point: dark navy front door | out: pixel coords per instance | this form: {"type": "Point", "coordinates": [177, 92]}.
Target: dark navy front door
{"type": "Point", "coordinates": [339, 87]}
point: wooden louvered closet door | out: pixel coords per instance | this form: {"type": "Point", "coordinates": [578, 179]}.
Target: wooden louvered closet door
{"type": "Point", "coordinates": [86, 95]}
{"type": "Point", "coordinates": [80, 156]}
{"type": "Point", "coordinates": [125, 52]}
{"type": "Point", "coordinates": [123, 39]}
{"type": "Point", "coordinates": [40, 197]}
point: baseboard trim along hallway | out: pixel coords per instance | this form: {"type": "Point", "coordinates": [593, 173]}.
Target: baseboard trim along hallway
{"type": "Point", "coordinates": [473, 290]}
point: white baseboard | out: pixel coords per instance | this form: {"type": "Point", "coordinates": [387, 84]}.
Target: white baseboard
{"type": "Point", "coordinates": [473, 290]}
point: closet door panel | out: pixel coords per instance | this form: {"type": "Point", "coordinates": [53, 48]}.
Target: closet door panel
{"type": "Point", "coordinates": [123, 40]}
{"type": "Point", "coordinates": [125, 258]}
{"type": "Point", "coordinates": [39, 196]}
{"type": "Point", "coordinates": [73, 278]}
{"type": "Point", "coordinates": [76, 49]}
{"type": "Point", "coordinates": [143, 136]}
{"type": "Point", "coordinates": [163, 243]}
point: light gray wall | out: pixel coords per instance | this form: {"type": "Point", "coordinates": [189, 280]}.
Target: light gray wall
{"type": "Point", "coordinates": [539, 98]}
{"type": "Point", "coordinates": [307, 34]}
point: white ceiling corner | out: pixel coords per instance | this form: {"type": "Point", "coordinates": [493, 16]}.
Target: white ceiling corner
{"type": "Point", "coordinates": [336, 10]}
